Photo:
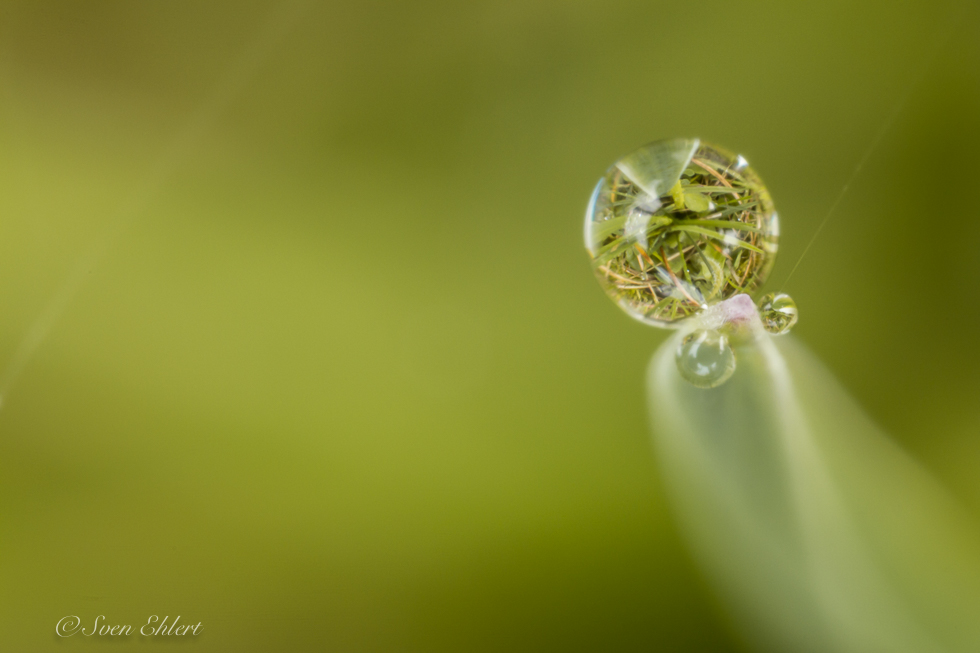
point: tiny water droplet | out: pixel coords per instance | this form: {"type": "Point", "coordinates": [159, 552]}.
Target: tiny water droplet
{"type": "Point", "coordinates": [705, 359]}
{"type": "Point", "coordinates": [778, 312]}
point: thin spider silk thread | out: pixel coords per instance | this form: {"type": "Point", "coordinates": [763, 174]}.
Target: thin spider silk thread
{"type": "Point", "coordinates": [857, 170]}
{"type": "Point", "coordinates": [228, 87]}
{"type": "Point", "coordinates": [879, 136]}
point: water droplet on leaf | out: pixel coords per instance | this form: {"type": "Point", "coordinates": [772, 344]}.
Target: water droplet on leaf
{"type": "Point", "coordinates": [705, 359]}
{"type": "Point", "coordinates": [778, 312]}
{"type": "Point", "coordinates": [678, 225]}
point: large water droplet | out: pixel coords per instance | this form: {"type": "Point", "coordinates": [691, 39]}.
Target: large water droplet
{"type": "Point", "coordinates": [778, 312]}
{"type": "Point", "coordinates": [705, 359]}
{"type": "Point", "coordinates": [678, 225]}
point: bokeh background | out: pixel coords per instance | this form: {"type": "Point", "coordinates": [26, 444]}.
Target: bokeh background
{"type": "Point", "coordinates": [327, 369]}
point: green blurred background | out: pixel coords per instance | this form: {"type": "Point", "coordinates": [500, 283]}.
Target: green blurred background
{"type": "Point", "coordinates": [336, 375]}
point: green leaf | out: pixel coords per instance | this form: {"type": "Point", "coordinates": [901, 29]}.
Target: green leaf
{"type": "Point", "coordinates": [717, 236]}
{"type": "Point", "coordinates": [695, 201]}
{"type": "Point", "coordinates": [602, 230]}
{"type": "Point", "coordinates": [677, 192]}
{"type": "Point", "coordinates": [724, 190]}
{"type": "Point", "coordinates": [735, 208]}
{"type": "Point", "coordinates": [818, 532]}
{"type": "Point", "coordinates": [724, 224]}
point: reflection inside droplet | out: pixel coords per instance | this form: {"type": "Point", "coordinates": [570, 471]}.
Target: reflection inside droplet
{"type": "Point", "coordinates": [778, 312]}
{"type": "Point", "coordinates": [677, 225]}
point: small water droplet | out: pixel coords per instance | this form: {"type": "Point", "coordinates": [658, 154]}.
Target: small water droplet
{"type": "Point", "coordinates": [778, 312]}
{"type": "Point", "coordinates": [705, 359]}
